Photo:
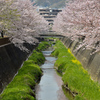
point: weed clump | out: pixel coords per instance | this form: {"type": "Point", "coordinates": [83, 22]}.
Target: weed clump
{"type": "Point", "coordinates": [42, 46]}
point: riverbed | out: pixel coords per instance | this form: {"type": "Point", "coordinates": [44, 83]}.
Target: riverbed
{"type": "Point", "coordinates": [50, 86]}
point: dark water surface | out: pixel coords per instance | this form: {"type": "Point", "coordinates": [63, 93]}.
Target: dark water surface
{"type": "Point", "coordinates": [50, 86]}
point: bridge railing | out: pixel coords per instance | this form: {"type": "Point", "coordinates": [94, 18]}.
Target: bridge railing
{"type": "Point", "coordinates": [51, 35]}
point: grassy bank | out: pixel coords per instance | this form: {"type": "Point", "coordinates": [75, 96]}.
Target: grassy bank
{"type": "Point", "coordinates": [74, 75]}
{"type": "Point", "coordinates": [43, 46]}
{"type": "Point", "coordinates": [23, 84]}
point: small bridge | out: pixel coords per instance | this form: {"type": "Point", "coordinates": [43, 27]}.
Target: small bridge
{"type": "Point", "coordinates": [51, 35]}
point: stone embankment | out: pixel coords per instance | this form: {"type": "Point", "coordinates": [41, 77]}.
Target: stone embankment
{"type": "Point", "coordinates": [90, 62]}
{"type": "Point", "coordinates": [11, 59]}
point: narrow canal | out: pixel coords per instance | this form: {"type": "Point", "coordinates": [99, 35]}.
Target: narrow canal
{"type": "Point", "coordinates": [50, 86]}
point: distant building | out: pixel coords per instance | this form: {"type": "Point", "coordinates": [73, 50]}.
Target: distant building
{"type": "Point", "coordinates": [49, 14]}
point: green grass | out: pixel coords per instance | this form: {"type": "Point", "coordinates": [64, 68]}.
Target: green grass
{"type": "Point", "coordinates": [50, 38]}
{"type": "Point", "coordinates": [23, 84]}
{"type": "Point", "coordinates": [37, 57]}
{"type": "Point", "coordinates": [42, 46]}
{"type": "Point", "coordinates": [74, 75]}
{"type": "Point", "coordinates": [67, 93]}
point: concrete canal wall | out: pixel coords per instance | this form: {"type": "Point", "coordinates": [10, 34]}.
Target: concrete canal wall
{"type": "Point", "coordinates": [11, 59]}
{"type": "Point", "coordinates": [4, 41]}
{"type": "Point", "coordinates": [90, 62]}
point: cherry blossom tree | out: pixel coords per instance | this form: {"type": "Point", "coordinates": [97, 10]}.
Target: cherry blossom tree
{"type": "Point", "coordinates": [25, 24]}
{"type": "Point", "coordinates": [7, 15]}
{"type": "Point", "coordinates": [81, 18]}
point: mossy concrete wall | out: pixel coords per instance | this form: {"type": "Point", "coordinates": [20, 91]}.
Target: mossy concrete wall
{"type": "Point", "coordinates": [11, 59]}
{"type": "Point", "coordinates": [90, 62]}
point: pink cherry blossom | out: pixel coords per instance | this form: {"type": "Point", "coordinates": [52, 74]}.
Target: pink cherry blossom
{"type": "Point", "coordinates": [22, 22]}
{"type": "Point", "coordinates": [80, 18]}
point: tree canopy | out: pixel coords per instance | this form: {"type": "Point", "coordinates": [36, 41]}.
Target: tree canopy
{"type": "Point", "coordinates": [21, 22]}
{"type": "Point", "coordinates": [81, 18]}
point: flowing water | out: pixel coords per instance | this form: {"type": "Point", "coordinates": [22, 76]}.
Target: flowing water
{"type": "Point", "coordinates": [50, 86]}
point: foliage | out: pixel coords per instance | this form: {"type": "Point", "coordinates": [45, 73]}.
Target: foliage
{"type": "Point", "coordinates": [42, 46]}
{"type": "Point", "coordinates": [81, 18]}
{"type": "Point", "coordinates": [20, 21]}
{"type": "Point", "coordinates": [37, 57]}
{"type": "Point", "coordinates": [74, 75]}
{"type": "Point", "coordinates": [7, 15]}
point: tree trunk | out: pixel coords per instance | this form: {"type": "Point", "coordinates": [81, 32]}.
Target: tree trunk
{"type": "Point", "coordinates": [2, 34]}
